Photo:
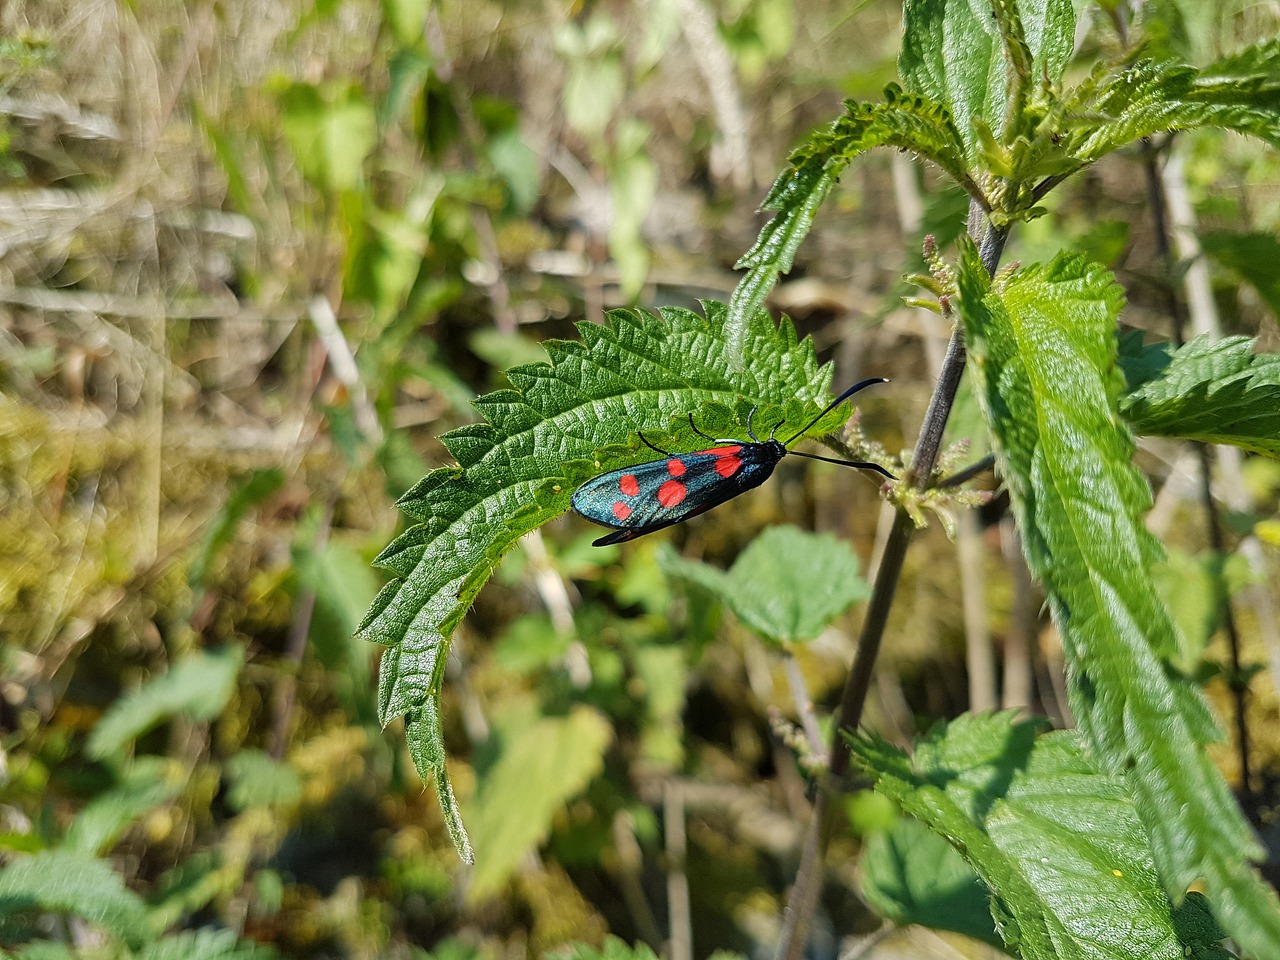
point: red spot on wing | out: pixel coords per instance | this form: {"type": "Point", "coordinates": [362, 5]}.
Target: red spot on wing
{"type": "Point", "coordinates": [728, 465]}
{"type": "Point", "coordinates": [671, 493]}
{"type": "Point", "coordinates": [628, 485]}
{"type": "Point", "coordinates": [621, 510]}
{"type": "Point", "coordinates": [675, 467]}
{"type": "Point", "coordinates": [723, 451]}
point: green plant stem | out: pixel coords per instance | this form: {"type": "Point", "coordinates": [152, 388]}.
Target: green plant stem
{"type": "Point", "coordinates": [798, 916]}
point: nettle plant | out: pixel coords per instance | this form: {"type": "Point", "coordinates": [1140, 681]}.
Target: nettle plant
{"type": "Point", "coordinates": [1088, 840]}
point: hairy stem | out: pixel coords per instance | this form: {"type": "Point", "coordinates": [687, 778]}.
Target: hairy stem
{"type": "Point", "coordinates": [804, 895]}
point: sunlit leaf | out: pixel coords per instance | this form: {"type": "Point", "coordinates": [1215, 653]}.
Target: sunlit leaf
{"type": "Point", "coordinates": [1044, 349]}
{"type": "Point", "coordinates": [1058, 842]}
{"type": "Point", "coordinates": [788, 585]}
{"type": "Point", "coordinates": [542, 762]}
{"type": "Point", "coordinates": [60, 881]}
{"type": "Point", "coordinates": [1214, 391]}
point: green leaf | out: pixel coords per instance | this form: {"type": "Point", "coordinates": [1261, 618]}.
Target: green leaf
{"type": "Point", "coordinates": [954, 54]}
{"type": "Point", "coordinates": [198, 686]}
{"type": "Point", "coordinates": [1214, 391]}
{"type": "Point", "coordinates": [406, 19]}
{"type": "Point", "coordinates": [148, 782]}
{"type": "Point", "coordinates": [1240, 93]}
{"type": "Point", "coordinates": [188, 887]}
{"type": "Point", "coordinates": [46, 950]}
{"type": "Point", "coordinates": [541, 764]}
{"type": "Point", "coordinates": [1043, 349]}
{"type": "Point", "coordinates": [331, 129]}
{"type": "Point", "coordinates": [64, 882]}
{"type": "Point", "coordinates": [904, 120]}
{"type": "Point", "coordinates": [1192, 589]}
{"type": "Point", "coordinates": [343, 584]}
{"type": "Point", "coordinates": [1058, 842]}
{"type": "Point", "coordinates": [663, 671]}
{"type": "Point", "coordinates": [531, 643]}
{"type": "Point", "coordinates": [788, 585]}
{"type": "Point", "coordinates": [259, 781]}
{"type": "Point", "coordinates": [912, 875]}
{"type": "Point", "coordinates": [633, 183]}
{"type": "Point", "coordinates": [563, 423]}
{"type": "Point", "coordinates": [1255, 257]}
{"type": "Point", "coordinates": [614, 949]}
{"type": "Point", "coordinates": [205, 944]}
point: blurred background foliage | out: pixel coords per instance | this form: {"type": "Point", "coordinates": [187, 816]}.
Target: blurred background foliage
{"type": "Point", "coordinates": [255, 257]}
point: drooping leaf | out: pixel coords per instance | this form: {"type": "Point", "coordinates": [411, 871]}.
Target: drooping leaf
{"type": "Point", "coordinates": [903, 120]}
{"type": "Point", "coordinates": [198, 686]}
{"type": "Point", "coordinates": [542, 762]}
{"type": "Point", "coordinates": [64, 882]}
{"type": "Point", "coordinates": [912, 875]}
{"type": "Point", "coordinates": [788, 585]}
{"type": "Point", "coordinates": [1056, 840]}
{"type": "Point", "coordinates": [564, 422]}
{"type": "Point", "coordinates": [1214, 391]}
{"type": "Point", "coordinates": [1043, 348]}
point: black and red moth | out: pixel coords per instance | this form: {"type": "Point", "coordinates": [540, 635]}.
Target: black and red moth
{"type": "Point", "coordinates": [649, 496]}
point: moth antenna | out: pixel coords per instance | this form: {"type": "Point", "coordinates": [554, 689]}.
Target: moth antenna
{"type": "Point", "coordinates": [751, 433]}
{"type": "Point", "coordinates": [860, 464]}
{"type": "Point", "coordinates": [774, 431]}
{"type": "Point", "coordinates": [699, 432]}
{"type": "Point", "coordinates": [645, 441]}
{"type": "Point", "coordinates": [833, 404]}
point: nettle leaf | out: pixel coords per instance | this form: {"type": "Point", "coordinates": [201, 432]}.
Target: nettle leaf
{"type": "Point", "coordinates": [788, 585]}
{"type": "Point", "coordinates": [1214, 391]}
{"type": "Point", "coordinates": [206, 944]}
{"type": "Point", "coordinates": [904, 120]}
{"type": "Point", "coordinates": [912, 875]}
{"type": "Point", "coordinates": [542, 762]}
{"type": "Point", "coordinates": [1058, 842]}
{"type": "Point", "coordinates": [613, 949]}
{"type": "Point", "coordinates": [1240, 93]}
{"type": "Point", "coordinates": [1043, 350]}
{"type": "Point", "coordinates": [954, 54]}
{"type": "Point", "coordinates": [75, 883]}
{"type": "Point", "coordinates": [564, 422]}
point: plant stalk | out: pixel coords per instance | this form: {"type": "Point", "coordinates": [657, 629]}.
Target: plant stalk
{"type": "Point", "coordinates": [798, 916]}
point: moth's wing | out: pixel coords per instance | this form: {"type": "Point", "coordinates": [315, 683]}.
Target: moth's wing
{"type": "Point", "coordinates": [650, 496]}
{"type": "Point", "coordinates": [597, 498]}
